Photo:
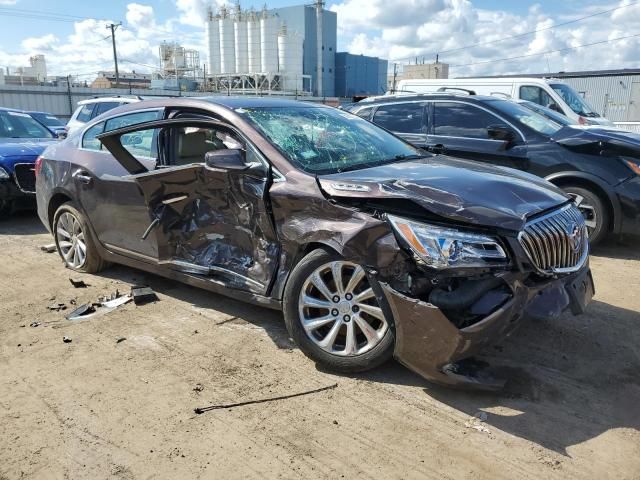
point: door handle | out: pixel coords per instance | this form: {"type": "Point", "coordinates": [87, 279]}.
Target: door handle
{"type": "Point", "coordinates": [83, 177]}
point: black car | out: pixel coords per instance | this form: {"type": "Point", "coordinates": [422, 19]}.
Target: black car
{"type": "Point", "coordinates": [371, 247]}
{"type": "Point", "coordinates": [598, 167]}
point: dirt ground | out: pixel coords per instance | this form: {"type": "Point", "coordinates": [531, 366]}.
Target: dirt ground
{"type": "Point", "coordinates": [98, 408]}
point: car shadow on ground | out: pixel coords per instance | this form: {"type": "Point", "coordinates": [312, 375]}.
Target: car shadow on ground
{"type": "Point", "coordinates": [21, 223]}
{"type": "Point", "coordinates": [621, 248]}
{"type": "Point", "coordinates": [569, 380]}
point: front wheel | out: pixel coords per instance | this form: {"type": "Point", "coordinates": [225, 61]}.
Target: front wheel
{"type": "Point", "coordinates": [332, 313]}
{"type": "Point", "coordinates": [593, 210]}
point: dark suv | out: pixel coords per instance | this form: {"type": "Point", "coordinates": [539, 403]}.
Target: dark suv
{"type": "Point", "coordinates": [598, 167]}
{"type": "Point", "coordinates": [370, 246]}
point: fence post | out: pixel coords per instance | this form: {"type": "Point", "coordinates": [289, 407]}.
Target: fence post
{"type": "Point", "coordinates": [69, 95]}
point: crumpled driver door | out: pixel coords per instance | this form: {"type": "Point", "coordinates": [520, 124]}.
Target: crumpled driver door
{"type": "Point", "coordinates": [206, 222]}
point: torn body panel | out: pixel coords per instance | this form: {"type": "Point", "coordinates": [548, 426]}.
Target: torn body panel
{"type": "Point", "coordinates": [428, 342]}
{"type": "Point", "coordinates": [209, 222]}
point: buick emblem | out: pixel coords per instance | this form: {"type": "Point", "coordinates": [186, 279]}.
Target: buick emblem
{"type": "Point", "coordinates": [575, 236]}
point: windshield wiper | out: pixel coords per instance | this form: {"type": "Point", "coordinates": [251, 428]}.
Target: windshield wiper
{"type": "Point", "coordinates": [386, 161]}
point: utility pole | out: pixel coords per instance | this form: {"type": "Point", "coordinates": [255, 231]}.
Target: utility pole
{"type": "Point", "coordinates": [113, 27]}
{"type": "Point", "coordinates": [395, 75]}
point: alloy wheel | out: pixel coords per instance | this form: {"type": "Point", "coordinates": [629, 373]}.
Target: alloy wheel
{"type": "Point", "coordinates": [71, 242]}
{"type": "Point", "coordinates": [339, 310]}
{"type": "Point", "coordinates": [588, 211]}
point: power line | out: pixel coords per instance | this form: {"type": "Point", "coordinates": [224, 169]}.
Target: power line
{"type": "Point", "coordinates": [520, 35]}
{"type": "Point", "coordinates": [545, 53]}
{"type": "Point", "coordinates": [39, 14]}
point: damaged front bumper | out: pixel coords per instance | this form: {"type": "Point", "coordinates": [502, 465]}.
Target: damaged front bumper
{"type": "Point", "coordinates": [431, 345]}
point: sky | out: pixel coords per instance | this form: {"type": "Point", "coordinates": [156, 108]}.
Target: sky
{"type": "Point", "coordinates": [74, 37]}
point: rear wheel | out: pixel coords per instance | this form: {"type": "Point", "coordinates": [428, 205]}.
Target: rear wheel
{"type": "Point", "coordinates": [74, 242]}
{"type": "Point", "coordinates": [593, 209]}
{"type": "Point", "coordinates": [334, 316]}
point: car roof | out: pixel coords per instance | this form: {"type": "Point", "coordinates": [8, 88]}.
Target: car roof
{"type": "Point", "coordinates": [423, 97]}
{"type": "Point", "coordinates": [6, 109]}
{"type": "Point", "coordinates": [109, 99]}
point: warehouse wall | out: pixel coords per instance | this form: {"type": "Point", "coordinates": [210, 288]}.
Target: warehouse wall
{"type": "Point", "coordinates": [614, 97]}
{"type": "Point", "coordinates": [360, 75]}
{"type": "Point", "coordinates": [62, 101]}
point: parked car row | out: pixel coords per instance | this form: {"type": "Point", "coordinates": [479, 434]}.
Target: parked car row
{"type": "Point", "coordinates": [371, 246]}
{"type": "Point", "coordinates": [597, 166]}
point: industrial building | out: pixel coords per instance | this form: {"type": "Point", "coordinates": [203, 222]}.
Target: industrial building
{"type": "Point", "coordinates": [359, 75]}
{"type": "Point", "coordinates": [288, 51]}
{"type": "Point", "coordinates": [34, 74]}
{"type": "Point", "coordinates": [434, 70]}
{"type": "Point", "coordinates": [107, 79]}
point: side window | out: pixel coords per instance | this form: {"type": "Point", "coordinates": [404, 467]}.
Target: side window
{"type": "Point", "coordinates": [454, 119]}
{"type": "Point", "coordinates": [192, 143]}
{"type": "Point", "coordinates": [365, 113]}
{"type": "Point", "coordinates": [143, 143]}
{"type": "Point", "coordinates": [102, 107]}
{"type": "Point", "coordinates": [537, 95]}
{"type": "Point", "coordinates": [89, 141]}
{"type": "Point", "coordinates": [403, 117]}
{"type": "Point", "coordinates": [84, 115]}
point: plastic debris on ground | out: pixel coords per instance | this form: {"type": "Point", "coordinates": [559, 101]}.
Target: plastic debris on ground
{"type": "Point", "coordinates": [66, 340]}
{"type": "Point", "coordinates": [89, 310]}
{"type": "Point", "coordinates": [78, 283]}
{"type": "Point", "coordinates": [50, 248]}
{"type": "Point", "coordinates": [142, 295]}
{"type": "Point", "coordinates": [477, 422]}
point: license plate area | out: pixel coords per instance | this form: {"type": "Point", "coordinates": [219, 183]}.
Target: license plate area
{"type": "Point", "coordinates": [581, 290]}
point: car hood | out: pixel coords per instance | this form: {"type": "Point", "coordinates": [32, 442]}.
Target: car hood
{"type": "Point", "coordinates": [595, 139]}
{"type": "Point", "coordinates": [460, 190]}
{"type": "Point", "coordinates": [14, 147]}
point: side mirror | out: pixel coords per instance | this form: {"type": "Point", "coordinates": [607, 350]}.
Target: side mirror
{"type": "Point", "coordinates": [555, 107]}
{"type": "Point", "coordinates": [225, 160]}
{"type": "Point", "coordinates": [501, 132]}
{"type": "Point", "coordinates": [61, 135]}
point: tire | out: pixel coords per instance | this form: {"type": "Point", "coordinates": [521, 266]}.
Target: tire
{"type": "Point", "coordinates": [594, 211]}
{"type": "Point", "coordinates": [363, 308]}
{"type": "Point", "coordinates": [76, 233]}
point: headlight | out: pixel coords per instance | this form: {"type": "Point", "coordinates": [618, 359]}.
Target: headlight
{"type": "Point", "coordinates": [440, 247]}
{"type": "Point", "coordinates": [3, 174]}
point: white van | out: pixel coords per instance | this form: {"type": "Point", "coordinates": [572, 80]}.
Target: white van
{"type": "Point", "coordinates": [92, 107]}
{"type": "Point", "coordinates": [550, 93]}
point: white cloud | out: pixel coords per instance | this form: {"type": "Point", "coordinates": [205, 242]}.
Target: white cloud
{"type": "Point", "coordinates": [44, 43]}
{"type": "Point", "coordinates": [8, 2]}
{"type": "Point", "coordinates": [416, 28]}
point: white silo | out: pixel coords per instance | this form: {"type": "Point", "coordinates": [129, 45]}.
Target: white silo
{"type": "Point", "coordinates": [290, 59]}
{"type": "Point", "coordinates": [268, 42]}
{"type": "Point", "coordinates": [253, 40]}
{"type": "Point", "coordinates": [227, 43]}
{"type": "Point", "coordinates": [213, 38]}
{"type": "Point", "coordinates": [240, 40]}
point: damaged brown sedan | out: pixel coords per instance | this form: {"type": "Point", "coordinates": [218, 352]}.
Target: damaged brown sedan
{"type": "Point", "coordinates": [371, 247]}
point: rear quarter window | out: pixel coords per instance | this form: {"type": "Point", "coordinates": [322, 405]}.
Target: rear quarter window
{"type": "Point", "coordinates": [89, 140]}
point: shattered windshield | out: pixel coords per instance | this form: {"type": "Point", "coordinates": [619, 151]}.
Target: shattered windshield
{"type": "Point", "coordinates": [575, 101]}
{"type": "Point", "coordinates": [326, 140]}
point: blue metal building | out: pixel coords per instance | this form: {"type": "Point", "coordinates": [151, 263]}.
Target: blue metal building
{"type": "Point", "coordinates": [302, 20]}
{"type": "Point", "coordinates": [358, 75]}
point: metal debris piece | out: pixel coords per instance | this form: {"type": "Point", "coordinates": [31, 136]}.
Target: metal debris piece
{"type": "Point", "coordinates": [83, 311]}
{"type": "Point", "coordinates": [200, 410]}
{"type": "Point", "coordinates": [57, 307]}
{"type": "Point", "coordinates": [143, 295]}
{"type": "Point", "coordinates": [66, 339]}
{"type": "Point", "coordinates": [78, 283]}
{"type": "Point", "coordinates": [50, 248]}
{"type": "Point", "coordinates": [121, 339]}
{"type": "Point", "coordinates": [34, 324]}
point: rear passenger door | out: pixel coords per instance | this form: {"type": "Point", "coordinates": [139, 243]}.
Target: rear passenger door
{"type": "Point", "coordinates": [407, 120]}
{"type": "Point", "coordinates": [460, 129]}
{"type": "Point", "coordinates": [112, 201]}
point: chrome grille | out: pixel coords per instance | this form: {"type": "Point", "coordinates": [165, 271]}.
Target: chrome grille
{"type": "Point", "coordinates": [25, 174]}
{"type": "Point", "coordinates": [557, 242]}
